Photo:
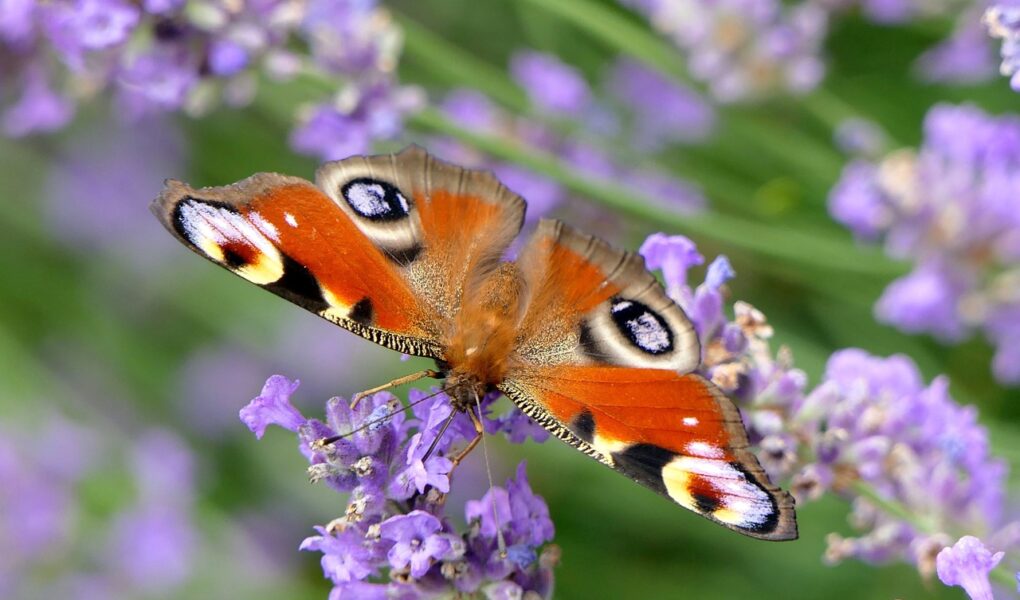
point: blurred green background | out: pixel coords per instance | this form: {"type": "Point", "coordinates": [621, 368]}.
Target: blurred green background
{"type": "Point", "coordinates": [131, 332]}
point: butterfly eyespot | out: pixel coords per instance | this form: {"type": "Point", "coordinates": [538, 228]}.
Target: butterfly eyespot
{"type": "Point", "coordinates": [642, 326]}
{"type": "Point", "coordinates": [375, 200]}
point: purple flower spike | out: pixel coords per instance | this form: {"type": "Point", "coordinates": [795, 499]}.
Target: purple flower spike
{"type": "Point", "coordinates": [39, 109]}
{"type": "Point", "coordinates": [550, 83]}
{"type": "Point", "coordinates": [345, 556]}
{"type": "Point", "coordinates": [273, 407]}
{"type": "Point", "coordinates": [664, 111]}
{"type": "Point", "coordinates": [531, 522]}
{"type": "Point", "coordinates": [924, 300]}
{"type": "Point", "coordinates": [419, 474]}
{"type": "Point", "coordinates": [967, 564]}
{"type": "Point", "coordinates": [673, 255]}
{"type": "Point", "coordinates": [416, 543]}
{"type": "Point", "coordinates": [719, 272]}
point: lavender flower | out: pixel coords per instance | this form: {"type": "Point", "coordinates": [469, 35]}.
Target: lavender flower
{"type": "Point", "coordinates": [551, 84]}
{"type": "Point", "coordinates": [663, 111]}
{"type": "Point", "coordinates": [142, 546]}
{"type": "Point", "coordinates": [744, 48]}
{"type": "Point", "coordinates": [416, 542]}
{"type": "Point", "coordinates": [967, 564]}
{"type": "Point", "coordinates": [394, 539]}
{"type": "Point", "coordinates": [168, 55]}
{"type": "Point", "coordinates": [947, 206]}
{"type": "Point", "coordinates": [273, 407]}
{"type": "Point", "coordinates": [474, 111]}
{"type": "Point", "coordinates": [126, 163]}
{"type": "Point", "coordinates": [872, 432]}
{"type": "Point", "coordinates": [1003, 22]}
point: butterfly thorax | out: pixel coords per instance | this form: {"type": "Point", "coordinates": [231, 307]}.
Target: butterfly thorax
{"type": "Point", "coordinates": [479, 345]}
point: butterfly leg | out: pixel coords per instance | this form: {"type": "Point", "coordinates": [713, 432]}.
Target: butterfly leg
{"type": "Point", "coordinates": [479, 430]}
{"type": "Point", "coordinates": [398, 381]}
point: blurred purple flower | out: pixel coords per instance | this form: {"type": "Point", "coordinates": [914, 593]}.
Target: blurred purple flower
{"type": "Point", "coordinates": [365, 114]}
{"type": "Point", "coordinates": [39, 109]}
{"type": "Point", "coordinates": [211, 382]}
{"type": "Point", "coordinates": [966, 57]}
{"type": "Point", "coordinates": [669, 192]}
{"type": "Point", "coordinates": [744, 48]}
{"type": "Point", "coordinates": [550, 83]}
{"type": "Point", "coordinates": [1003, 21]}
{"type": "Point", "coordinates": [663, 111]}
{"type": "Point", "coordinates": [967, 564]}
{"type": "Point", "coordinates": [926, 300]}
{"type": "Point", "coordinates": [946, 206]}
{"type": "Point", "coordinates": [860, 138]}
{"type": "Point", "coordinates": [169, 55]}
{"type": "Point", "coordinates": [96, 186]}
{"type": "Point", "coordinates": [153, 547]}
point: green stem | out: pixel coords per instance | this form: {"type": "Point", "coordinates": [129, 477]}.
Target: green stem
{"type": "Point", "coordinates": [451, 63]}
{"type": "Point", "coordinates": [892, 507]}
{"type": "Point", "coordinates": [788, 246]}
{"type": "Point", "coordinates": [1000, 574]}
{"type": "Point", "coordinates": [615, 31]}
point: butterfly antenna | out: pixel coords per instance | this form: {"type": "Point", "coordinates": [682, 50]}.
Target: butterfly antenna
{"type": "Point", "coordinates": [363, 426]}
{"type": "Point", "coordinates": [439, 436]}
{"type": "Point", "coordinates": [501, 542]}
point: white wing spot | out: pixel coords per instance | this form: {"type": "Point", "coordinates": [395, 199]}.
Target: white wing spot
{"type": "Point", "coordinates": [289, 218]}
{"type": "Point", "coordinates": [264, 226]}
{"type": "Point", "coordinates": [369, 199]}
{"type": "Point", "coordinates": [704, 450]}
{"type": "Point", "coordinates": [648, 333]}
{"type": "Point", "coordinates": [690, 421]}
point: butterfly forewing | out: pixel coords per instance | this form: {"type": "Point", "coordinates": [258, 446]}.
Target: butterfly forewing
{"type": "Point", "coordinates": [284, 234]}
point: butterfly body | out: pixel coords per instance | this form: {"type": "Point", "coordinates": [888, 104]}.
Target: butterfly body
{"type": "Point", "coordinates": [407, 251]}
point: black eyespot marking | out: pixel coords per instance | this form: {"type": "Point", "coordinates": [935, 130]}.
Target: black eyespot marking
{"type": "Point", "coordinates": [375, 199]}
{"type": "Point", "coordinates": [233, 258]}
{"type": "Point", "coordinates": [299, 286]}
{"type": "Point", "coordinates": [362, 312]}
{"type": "Point", "coordinates": [772, 520]}
{"type": "Point", "coordinates": [643, 463]}
{"type": "Point", "coordinates": [406, 256]}
{"type": "Point", "coordinates": [583, 426]}
{"type": "Point", "coordinates": [587, 341]}
{"type": "Point", "coordinates": [705, 503]}
{"type": "Point", "coordinates": [642, 326]}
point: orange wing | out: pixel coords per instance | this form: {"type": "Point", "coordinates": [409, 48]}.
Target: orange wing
{"type": "Point", "coordinates": [603, 361]}
{"type": "Point", "coordinates": [371, 248]}
{"type": "Point", "coordinates": [676, 434]}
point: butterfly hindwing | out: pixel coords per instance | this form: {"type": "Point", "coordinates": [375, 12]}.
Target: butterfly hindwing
{"type": "Point", "coordinates": [676, 434]}
{"type": "Point", "coordinates": [590, 303]}
{"type": "Point", "coordinates": [445, 226]}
